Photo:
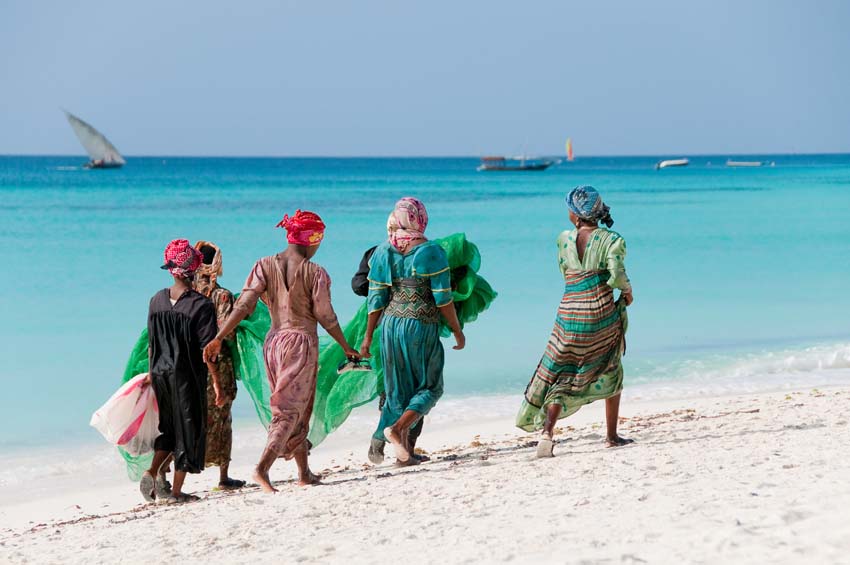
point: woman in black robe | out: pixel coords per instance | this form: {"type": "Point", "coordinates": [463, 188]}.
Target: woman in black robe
{"type": "Point", "coordinates": [181, 321]}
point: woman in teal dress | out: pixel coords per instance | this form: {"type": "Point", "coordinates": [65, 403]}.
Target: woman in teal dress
{"type": "Point", "coordinates": [582, 361]}
{"type": "Point", "coordinates": [409, 289]}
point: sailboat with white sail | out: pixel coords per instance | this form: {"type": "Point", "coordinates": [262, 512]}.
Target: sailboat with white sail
{"type": "Point", "coordinates": [102, 153]}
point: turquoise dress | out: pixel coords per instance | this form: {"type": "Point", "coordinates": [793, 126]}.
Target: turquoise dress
{"type": "Point", "coordinates": [409, 288]}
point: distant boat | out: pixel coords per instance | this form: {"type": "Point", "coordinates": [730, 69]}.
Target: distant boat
{"type": "Point", "coordinates": [569, 149]}
{"type": "Point", "coordinates": [521, 163]}
{"type": "Point", "coordinates": [671, 163]}
{"type": "Point", "coordinates": [731, 163]}
{"type": "Point", "coordinates": [103, 154]}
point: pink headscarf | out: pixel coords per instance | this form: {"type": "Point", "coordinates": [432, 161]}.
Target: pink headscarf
{"type": "Point", "coordinates": [181, 259]}
{"type": "Point", "coordinates": [407, 222]}
{"type": "Point", "coordinates": [303, 228]}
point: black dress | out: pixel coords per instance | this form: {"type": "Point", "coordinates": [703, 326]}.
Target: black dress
{"type": "Point", "coordinates": [177, 335]}
{"type": "Point", "coordinates": [360, 280]}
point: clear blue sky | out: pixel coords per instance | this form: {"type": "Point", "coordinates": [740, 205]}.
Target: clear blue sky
{"type": "Point", "coordinates": [458, 77]}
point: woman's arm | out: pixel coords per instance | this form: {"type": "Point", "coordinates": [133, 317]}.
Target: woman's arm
{"type": "Point", "coordinates": [371, 324]}
{"type": "Point", "coordinates": [254, 287]}
{"type": "Point", "coordinates": [435, 265]}
{"type": "Point", "coordinates": [212, 368]}
{"type": "Point", "coordinates": [239, 313]}
{"type": "Point", "coordinates": [450, 314]}
{"type": "Point", "coordinates": [617, 268]}
{"type": "Point", "coordinates": [336, 333]}
{"type": "Point", "coordinates": [223, 301]}
{"type": "Point", "coordinates": [324, 311]}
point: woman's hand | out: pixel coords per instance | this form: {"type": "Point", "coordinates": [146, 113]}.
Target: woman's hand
{"type": "Point", "coordinates": [365, 347]}
{"type": "Point", "coordinates": [460, 340]}
{"type": "Point", "coordinates": [220, 399]}
{"type": "Point", "coordinates": [351, 353]}
{"type": "Point", "coordinates": [628, 297]}
{"type": "Point", "coordinates": [212, 351]}
{"type": "Point", "coordinates": [145, 382]}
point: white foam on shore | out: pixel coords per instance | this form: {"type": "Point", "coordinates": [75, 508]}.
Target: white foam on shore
{"type": "Point", "coordinates": [723, 374]}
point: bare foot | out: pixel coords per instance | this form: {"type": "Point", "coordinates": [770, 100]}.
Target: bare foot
{"type": "Point", "coordinates": [264, 481]}
{"type": "Point", "coordinates": [545, 447]}
{"type": "Point", "coordinates": [310, 479]}
{"type": "Point", "coordinates": [618, 441]}
{"type": "Point", "coordinates": [401, 452]}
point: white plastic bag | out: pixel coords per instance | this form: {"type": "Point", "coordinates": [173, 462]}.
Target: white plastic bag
{"type": "Point", "coordinates": [130, 418]}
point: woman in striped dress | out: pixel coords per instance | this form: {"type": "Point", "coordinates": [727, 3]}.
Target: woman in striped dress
{"type": "Point", "coordinates": [582, 361]}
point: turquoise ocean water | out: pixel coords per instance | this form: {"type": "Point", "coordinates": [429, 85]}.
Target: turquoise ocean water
{"type": "Point", "coordinates": [740, 275]}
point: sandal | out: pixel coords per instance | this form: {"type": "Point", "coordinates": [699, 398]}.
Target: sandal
{"type": "Point", "coordinates": [546, 447]}
{"type": "Point", "coordinates": [353, 365]}
{"type": "Point", "coordinates": [147, 487]}
{"type": "Point", "coordinates": [231, 484]}
{"type": "Point", "coordinates": [181, 498]}
{"type": "Point", "coordinates": [376, 451]}
{"type": "Point", "coordinates": [162, 488]}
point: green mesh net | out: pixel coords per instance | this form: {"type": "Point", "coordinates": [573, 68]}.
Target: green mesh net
{"type": "Point", "coordinates": [336, 395]}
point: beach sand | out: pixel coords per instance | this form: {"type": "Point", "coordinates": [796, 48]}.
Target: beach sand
{"type": "Point", "coordinates": [744, 479]}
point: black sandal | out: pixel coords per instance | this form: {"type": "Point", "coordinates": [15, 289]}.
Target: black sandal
{"type": "Point", "coordinates": [231, 484]}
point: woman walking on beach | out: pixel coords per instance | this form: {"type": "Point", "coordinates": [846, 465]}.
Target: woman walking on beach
{"type": "Point", "coordinates": [181, 322]}
{"type": "Point", "coordinates": [582, 361]}
{"type": "Point", "coordinates": [297, 292]}
{"type": "Point", "coordinates": [409, 288]}
{"type": "Point", "coordinates": [219, 418]}
{"type": "Point", "coordinates": [360, 286]}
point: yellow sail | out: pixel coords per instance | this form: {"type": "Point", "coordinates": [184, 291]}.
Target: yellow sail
{"type": "Point", "coordinates": [569, 149]}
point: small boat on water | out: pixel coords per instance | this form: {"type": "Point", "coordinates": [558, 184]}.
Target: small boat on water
{"type": "Point", "coordinates": [102, 153]}
{"type": "Point", "coordinates": [521, 163]}
{"type": "Point", "coordinates": [731, 163]}
{"type": "Point", "coordinates": [671, 163]}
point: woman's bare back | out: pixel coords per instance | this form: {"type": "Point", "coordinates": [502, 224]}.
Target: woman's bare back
{"type": "Point", "coordinates": [582, 237]}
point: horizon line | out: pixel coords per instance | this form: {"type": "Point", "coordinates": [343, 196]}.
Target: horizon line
{"type": "Point", "coordinates": [541, 155]}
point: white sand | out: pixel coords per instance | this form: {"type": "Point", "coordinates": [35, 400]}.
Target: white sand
{"type": "Point", "coordinates": [751, 479]}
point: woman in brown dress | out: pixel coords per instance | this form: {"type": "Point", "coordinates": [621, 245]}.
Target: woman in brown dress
{"type": "Point", "coordinates": [219, 419]}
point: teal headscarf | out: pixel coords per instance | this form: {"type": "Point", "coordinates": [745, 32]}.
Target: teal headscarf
{"type": "Point", "coordinates": [586, 203]}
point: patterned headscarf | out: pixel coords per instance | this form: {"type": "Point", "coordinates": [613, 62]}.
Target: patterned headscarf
{"type": "Point", "coordinates": [586, 203]}
{"type": "Point", "coordinates": [181, 259]}
{"type": "Point", "coordinates": [407, 222]}
{"type": "Point", "coordinates": [205, 278]}
{"type": "Point", "coordinates": [303, 228]}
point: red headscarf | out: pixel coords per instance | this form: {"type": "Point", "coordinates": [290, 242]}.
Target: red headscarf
{"type": "Point", "coordinates": [303, 228]}
{"type": "Point", "coordinates": [181, 259]}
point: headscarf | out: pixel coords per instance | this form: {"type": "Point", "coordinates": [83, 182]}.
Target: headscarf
{"type": "Point", "coordinates": [407, 222]}
{"type": "Point", "coordinates": [303, 228]}
{"type": "Point", "coordinates": [205, 277]}
{"type": "Point", "coordinates": [181, 259]}
{"type": "Point", "coordinates": [586, 203]}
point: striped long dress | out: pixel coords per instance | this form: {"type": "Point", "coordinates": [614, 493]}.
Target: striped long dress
{"type": "Point", "coordinates": [582, 361]}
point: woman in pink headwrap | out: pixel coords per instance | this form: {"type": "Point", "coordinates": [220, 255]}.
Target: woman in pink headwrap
{"type": "Point", "coordinates": [181, 322]}
{"type": "Point", "coordinates": [297, 292]}
{"type": "Point", "coordinates": [409, 289]}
